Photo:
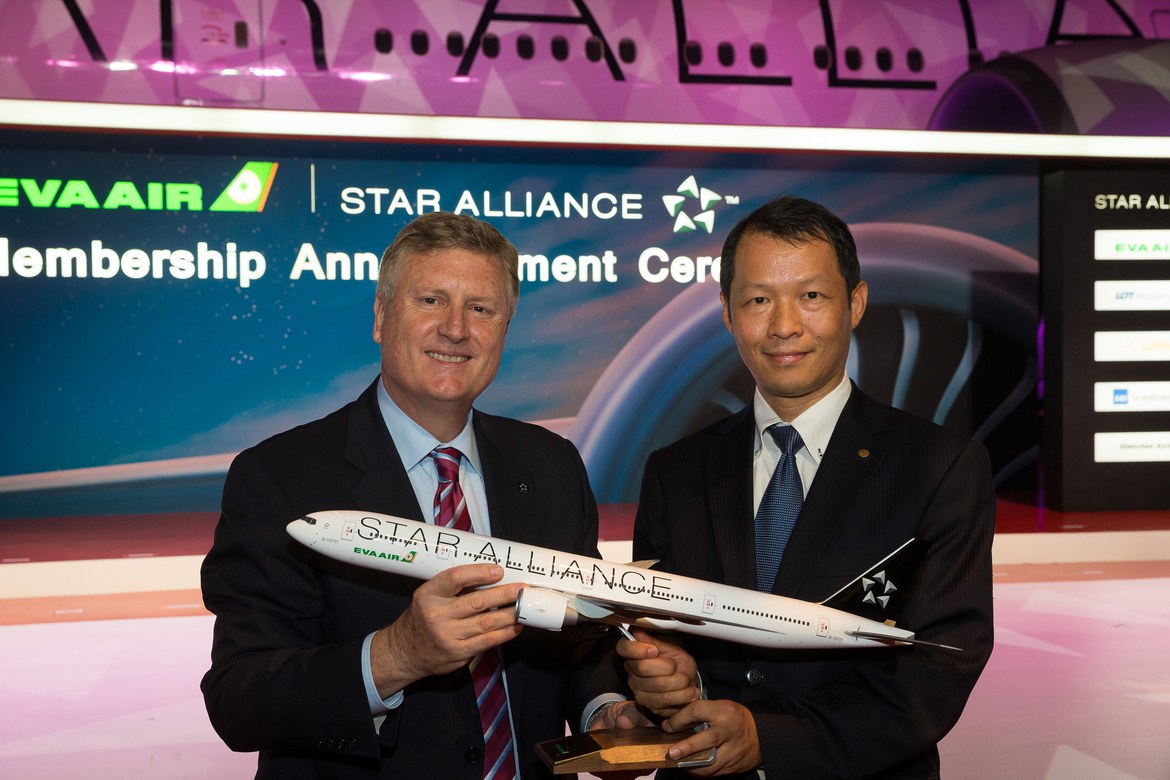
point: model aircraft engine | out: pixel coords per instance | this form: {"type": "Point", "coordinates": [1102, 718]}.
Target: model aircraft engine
{"type": "Point", "coordinates": [545, 609]}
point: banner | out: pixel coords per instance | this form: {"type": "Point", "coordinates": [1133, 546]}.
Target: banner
{"type": "Point", "coordinates": [168, 299]}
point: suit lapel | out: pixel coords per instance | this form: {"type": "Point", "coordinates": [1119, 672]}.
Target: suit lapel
{"type": "Point", "coordinates": [729, 473]}
{"type": "Point", "coordinates": [856, 448]}
{"type": "Point", "coordinates": [505, 481]}
{"type": "Point", "coordinates": [383, 485]}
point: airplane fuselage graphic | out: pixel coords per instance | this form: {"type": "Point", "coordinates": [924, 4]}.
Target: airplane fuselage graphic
{"type": "Point", "coordinates": [562, 588]}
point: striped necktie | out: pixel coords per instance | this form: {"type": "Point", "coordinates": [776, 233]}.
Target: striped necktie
{"type": "Point", "coordinates": [779, 507]}
{"type": "Point", "coordinates": [486, 672]}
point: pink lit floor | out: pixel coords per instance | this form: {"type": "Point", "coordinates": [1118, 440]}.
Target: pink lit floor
{"type": "Point", "coordinates": [103, 640]}
{"type": "Point", "coordinates": [1079, 687]}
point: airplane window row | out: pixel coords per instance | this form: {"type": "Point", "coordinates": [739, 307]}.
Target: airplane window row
{"type": "Point", "coordinates": [883, 58]}
{"type": "Point", "coordinates": [627, 50]}
{"type": "Point", "coordinates": [420, 45]}
{"type": "Point", "coordinates": [766, 615]}
{"type": "Point", "coordinates": [675, 596]}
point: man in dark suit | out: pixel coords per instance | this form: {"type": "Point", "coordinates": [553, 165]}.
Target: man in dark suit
{"type": "Point", "coordinates": [792, 294]}
{"type": "Point", "coordinates": [331, 670]}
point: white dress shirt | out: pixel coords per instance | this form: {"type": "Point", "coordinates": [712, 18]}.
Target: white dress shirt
{"type": "Point", "coordinates": [815, 426]}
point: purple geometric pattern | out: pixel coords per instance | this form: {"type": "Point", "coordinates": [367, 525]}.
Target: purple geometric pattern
{"type": "Point", "coordinates": [823, 63]}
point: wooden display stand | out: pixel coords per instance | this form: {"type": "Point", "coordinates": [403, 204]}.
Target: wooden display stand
{"type": "Point", "coordinates": [609, 750]}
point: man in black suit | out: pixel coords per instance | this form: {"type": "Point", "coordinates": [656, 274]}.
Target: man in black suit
{"type": "Point", "coordinates": [331, 670]}
{"type": "Point", "coordinates": [791, 292]}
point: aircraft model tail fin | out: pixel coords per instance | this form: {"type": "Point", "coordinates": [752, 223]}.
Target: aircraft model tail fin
{"type": "Point", "coordinates": [877, 594]}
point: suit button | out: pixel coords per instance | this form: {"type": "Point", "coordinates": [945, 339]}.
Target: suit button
{"type": "Point", "coordinates": [471, 755]}
{"type": "Point", "coordinates": [754, 676]}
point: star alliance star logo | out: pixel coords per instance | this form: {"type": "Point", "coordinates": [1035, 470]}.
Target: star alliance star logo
{"type": "Point", "coordinates": [705, 218]}
{"type": "Point", "coordinates": [877, 589]}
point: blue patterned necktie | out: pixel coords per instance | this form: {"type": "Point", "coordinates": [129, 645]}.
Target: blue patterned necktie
{"type": "Point", "coordinates": [779, 507]}
{"type": "Point", "coordinates": [486, 672]}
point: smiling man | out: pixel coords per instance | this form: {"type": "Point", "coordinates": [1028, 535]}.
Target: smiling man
{"type": "Point", "coordinates": [810, 482]}
{"type": "Point", "coordinates": [336, 671]}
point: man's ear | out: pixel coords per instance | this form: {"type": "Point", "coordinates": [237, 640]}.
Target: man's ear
{"type": "Point", "coordinates": [379, 312]}
{"type": "Point", "coordinates": [726, 312]}
{"type": "Point", "coordinates": [857, 302]}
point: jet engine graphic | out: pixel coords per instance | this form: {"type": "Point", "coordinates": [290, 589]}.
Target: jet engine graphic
{"type": "Point", "coordinates": [1030, 92]}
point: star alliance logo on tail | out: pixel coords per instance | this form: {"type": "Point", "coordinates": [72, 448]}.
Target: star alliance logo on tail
{"type": "Point", "coordinates": [706, 199]}
{"type": "Point", "coordinates": [874, 594]}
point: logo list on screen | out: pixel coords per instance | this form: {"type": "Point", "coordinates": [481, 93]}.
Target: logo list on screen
{"type": "Point", "coordinates": [1131, 244]}
{"type": "Point", "coordinates": [1136, 295]}
{"type": "Point", "coordinates": [1114, 346]}
{"type": "Point", "coordinates": [1105, 281]}
{"type": "Point", "coordinates": [1131, 396]}
{"type": "Point", "coordinates": [1131, 447]}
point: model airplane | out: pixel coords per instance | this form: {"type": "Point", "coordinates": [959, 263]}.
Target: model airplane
{"type": "Point", "coordinates": [562, 588]}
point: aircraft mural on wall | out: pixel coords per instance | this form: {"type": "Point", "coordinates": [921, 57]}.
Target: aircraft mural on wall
{"type": "Point", "coordinates": [823, 63]}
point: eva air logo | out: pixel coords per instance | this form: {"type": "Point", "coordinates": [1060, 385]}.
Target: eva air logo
{"type": "Point", "coordinates": [248, 191]}
{"type": "Point", "coordinates": [693, 206]}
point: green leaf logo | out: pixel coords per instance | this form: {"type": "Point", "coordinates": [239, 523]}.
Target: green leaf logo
{"type": "Point", "coordinates": [248, 191]}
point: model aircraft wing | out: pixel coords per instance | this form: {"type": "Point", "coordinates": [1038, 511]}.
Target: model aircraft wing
{"type": "Point", "coordinates": [900, 640]}
{"type": "Point", "coordinates": [602, 609]}
{"type": "Point", "coordinates": [551, 609]}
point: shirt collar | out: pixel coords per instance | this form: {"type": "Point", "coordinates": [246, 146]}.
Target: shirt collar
{"type": "Point", "coordinates": [815, 424]}
{"type": "Point", "coordinates": [414, 443]}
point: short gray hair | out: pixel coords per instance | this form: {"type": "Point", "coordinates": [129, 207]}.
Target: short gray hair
{"type": "Point", "coordinates": [444, 230]}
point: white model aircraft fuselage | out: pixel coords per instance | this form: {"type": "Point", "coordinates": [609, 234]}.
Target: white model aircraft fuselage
{"type": "Point", "coordinates": [561, 588]}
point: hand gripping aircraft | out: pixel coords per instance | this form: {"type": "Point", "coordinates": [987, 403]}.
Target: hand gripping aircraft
{"type": "Point", "coordinates": [562, 588]}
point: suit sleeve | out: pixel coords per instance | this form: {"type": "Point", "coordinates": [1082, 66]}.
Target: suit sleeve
{"type": "Point", "coordinates": [274, 681]}
{"type": "Point", "coordinates": [890, 711]}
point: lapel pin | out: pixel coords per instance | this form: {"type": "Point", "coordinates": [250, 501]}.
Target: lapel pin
{"type": "Point", "coordinates": [523, 486]}
{"type": "Point", "coordinates": [863, 453]}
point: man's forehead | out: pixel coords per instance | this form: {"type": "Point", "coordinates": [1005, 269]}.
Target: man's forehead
{"type": "Point", "coordinates": [445, 272]}
{"type": "Point", "coordinates": [805, 259]}
{"type": "Point", "coordinates": [446, 253]}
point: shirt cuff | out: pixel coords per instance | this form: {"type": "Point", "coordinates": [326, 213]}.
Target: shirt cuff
{"type": "Point", "coordinates": [593, 708]}
{"type": "Point", "coordinates": [378, 705]}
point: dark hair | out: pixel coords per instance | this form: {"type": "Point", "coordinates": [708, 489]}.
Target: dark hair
{"type": "Point", "coordinates": [797, 221]}
{"type": "Point", "coordinates": [444, 230]}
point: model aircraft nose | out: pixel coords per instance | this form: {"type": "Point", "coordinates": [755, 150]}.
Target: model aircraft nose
{"type": "Point", "coordinates": [302, 529]}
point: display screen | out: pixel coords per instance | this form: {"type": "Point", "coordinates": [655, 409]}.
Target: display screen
{"type": "Point", "coordinates": [173, 298]}
{"type": "Point", "coordinates": [1106, 268]}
